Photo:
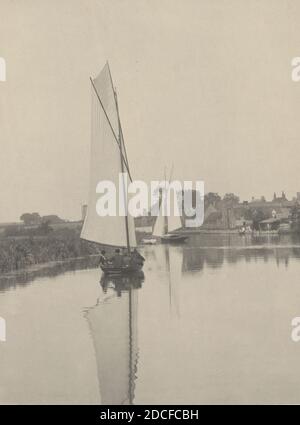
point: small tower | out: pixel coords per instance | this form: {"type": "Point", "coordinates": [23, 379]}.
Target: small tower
{"type": "Point", "coordinates": [83, 211]}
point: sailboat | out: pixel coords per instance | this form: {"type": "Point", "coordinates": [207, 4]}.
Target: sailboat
{"type": "Point", "coordinates": [109, 162]}
{"type": "Point", "coordinates": [165, 225]}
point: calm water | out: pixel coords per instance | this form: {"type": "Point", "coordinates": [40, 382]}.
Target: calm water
{"type": "Point", "coordinates": [209, 323]}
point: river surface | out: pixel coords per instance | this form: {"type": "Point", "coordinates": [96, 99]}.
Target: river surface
{"type": "Point", "coordinates": [210, 322]}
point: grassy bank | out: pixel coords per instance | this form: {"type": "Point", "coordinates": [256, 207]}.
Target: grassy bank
{"type": "Point", "coordinates": [18, 253]}
{"type": "Point", "coordinates": [22, 277]}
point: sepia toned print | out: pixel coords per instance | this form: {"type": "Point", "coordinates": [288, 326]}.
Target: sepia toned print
{"type": "Point", "coordinates": [150, 220]}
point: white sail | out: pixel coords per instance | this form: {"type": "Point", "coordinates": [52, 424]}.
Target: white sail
{"type": "Point", "coordinates": [159, 226]}
{"type": "Point", "coordinates": [167, 224]}
{"type": "Point", "coordinates": [105, 165]}
{"type": "Point", "coordinates": [174, 223]}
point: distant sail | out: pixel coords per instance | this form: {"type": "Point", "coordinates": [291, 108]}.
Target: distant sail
{"type": "Point", "coordinates": [159, 226]}
{"type": "Point", "coordinates": [174, 223]}
{"type": "Point", "coordinates": [105, 164]}
{"type": "Point", "coordinates": [165, 224]}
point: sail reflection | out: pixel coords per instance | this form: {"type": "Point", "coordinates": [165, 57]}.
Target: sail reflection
{"type": "Point", "coordinates": [113, 325]}
{"type": "Point", "coordinates": [173, 257]}
{"type": "Point", "coordinates": [167, 261]}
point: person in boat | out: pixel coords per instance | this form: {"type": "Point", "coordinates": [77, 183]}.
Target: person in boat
{"type": "Point", "coordinates": [117, 259]}
{"type": "Point", "coordinates": [103, 259]}
{"type": "Point", "coordinates": [243, 229]}
{"type": "Point", "coordinates": [137, 258]}
{"type": "Point", "coordinates": [126, 257]}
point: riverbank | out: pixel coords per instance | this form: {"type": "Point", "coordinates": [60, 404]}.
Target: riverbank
{"type": "Point", "coordinates": [208, 231]}
{"type": "Point", "coordinates": [33, 251]}
{"type": "Point", "coordinates": [51, 268]}
{"type": "Point", "coordinates": [189, 232]}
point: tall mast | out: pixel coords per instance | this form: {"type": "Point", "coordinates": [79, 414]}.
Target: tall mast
{"type": "Point", "coordinates": [164, 199]}
{"type": "Point", "coordinates": [122, 169]}
{"type": "Point", "coordinates": [166, 195]}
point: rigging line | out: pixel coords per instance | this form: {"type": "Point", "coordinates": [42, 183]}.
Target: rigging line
{"type": "Point", "coordinates": [122, 142]}
{"type": "Point", "coordinates": [111, 127]}
{"type": "Point", "coordinates": [117, 106]}
{"type": "Point", "coordinates": [171, 172]}
{"type": "Point", "coordinates": [124, 146]}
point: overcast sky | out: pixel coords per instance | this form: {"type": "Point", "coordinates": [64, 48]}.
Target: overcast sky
{"type": "Point", "coordinates": [203, 84]}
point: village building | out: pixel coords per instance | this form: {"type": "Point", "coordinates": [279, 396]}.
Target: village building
{"type": "Point", "coordinates": [223, 214]}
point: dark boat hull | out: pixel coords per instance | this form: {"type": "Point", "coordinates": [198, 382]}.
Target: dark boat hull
{"type": "Point", "coordinates": [175, 239]}
{"type": "Point", "coordinates": [111, 270]}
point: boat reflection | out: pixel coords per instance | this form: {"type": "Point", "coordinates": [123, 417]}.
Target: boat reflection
{"type": "Point", "coordinates": [122, 283]}
{"type": "Point", "coordinates": [213, 251]}
{"type": "Point", "coordinates": [113, 325]}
